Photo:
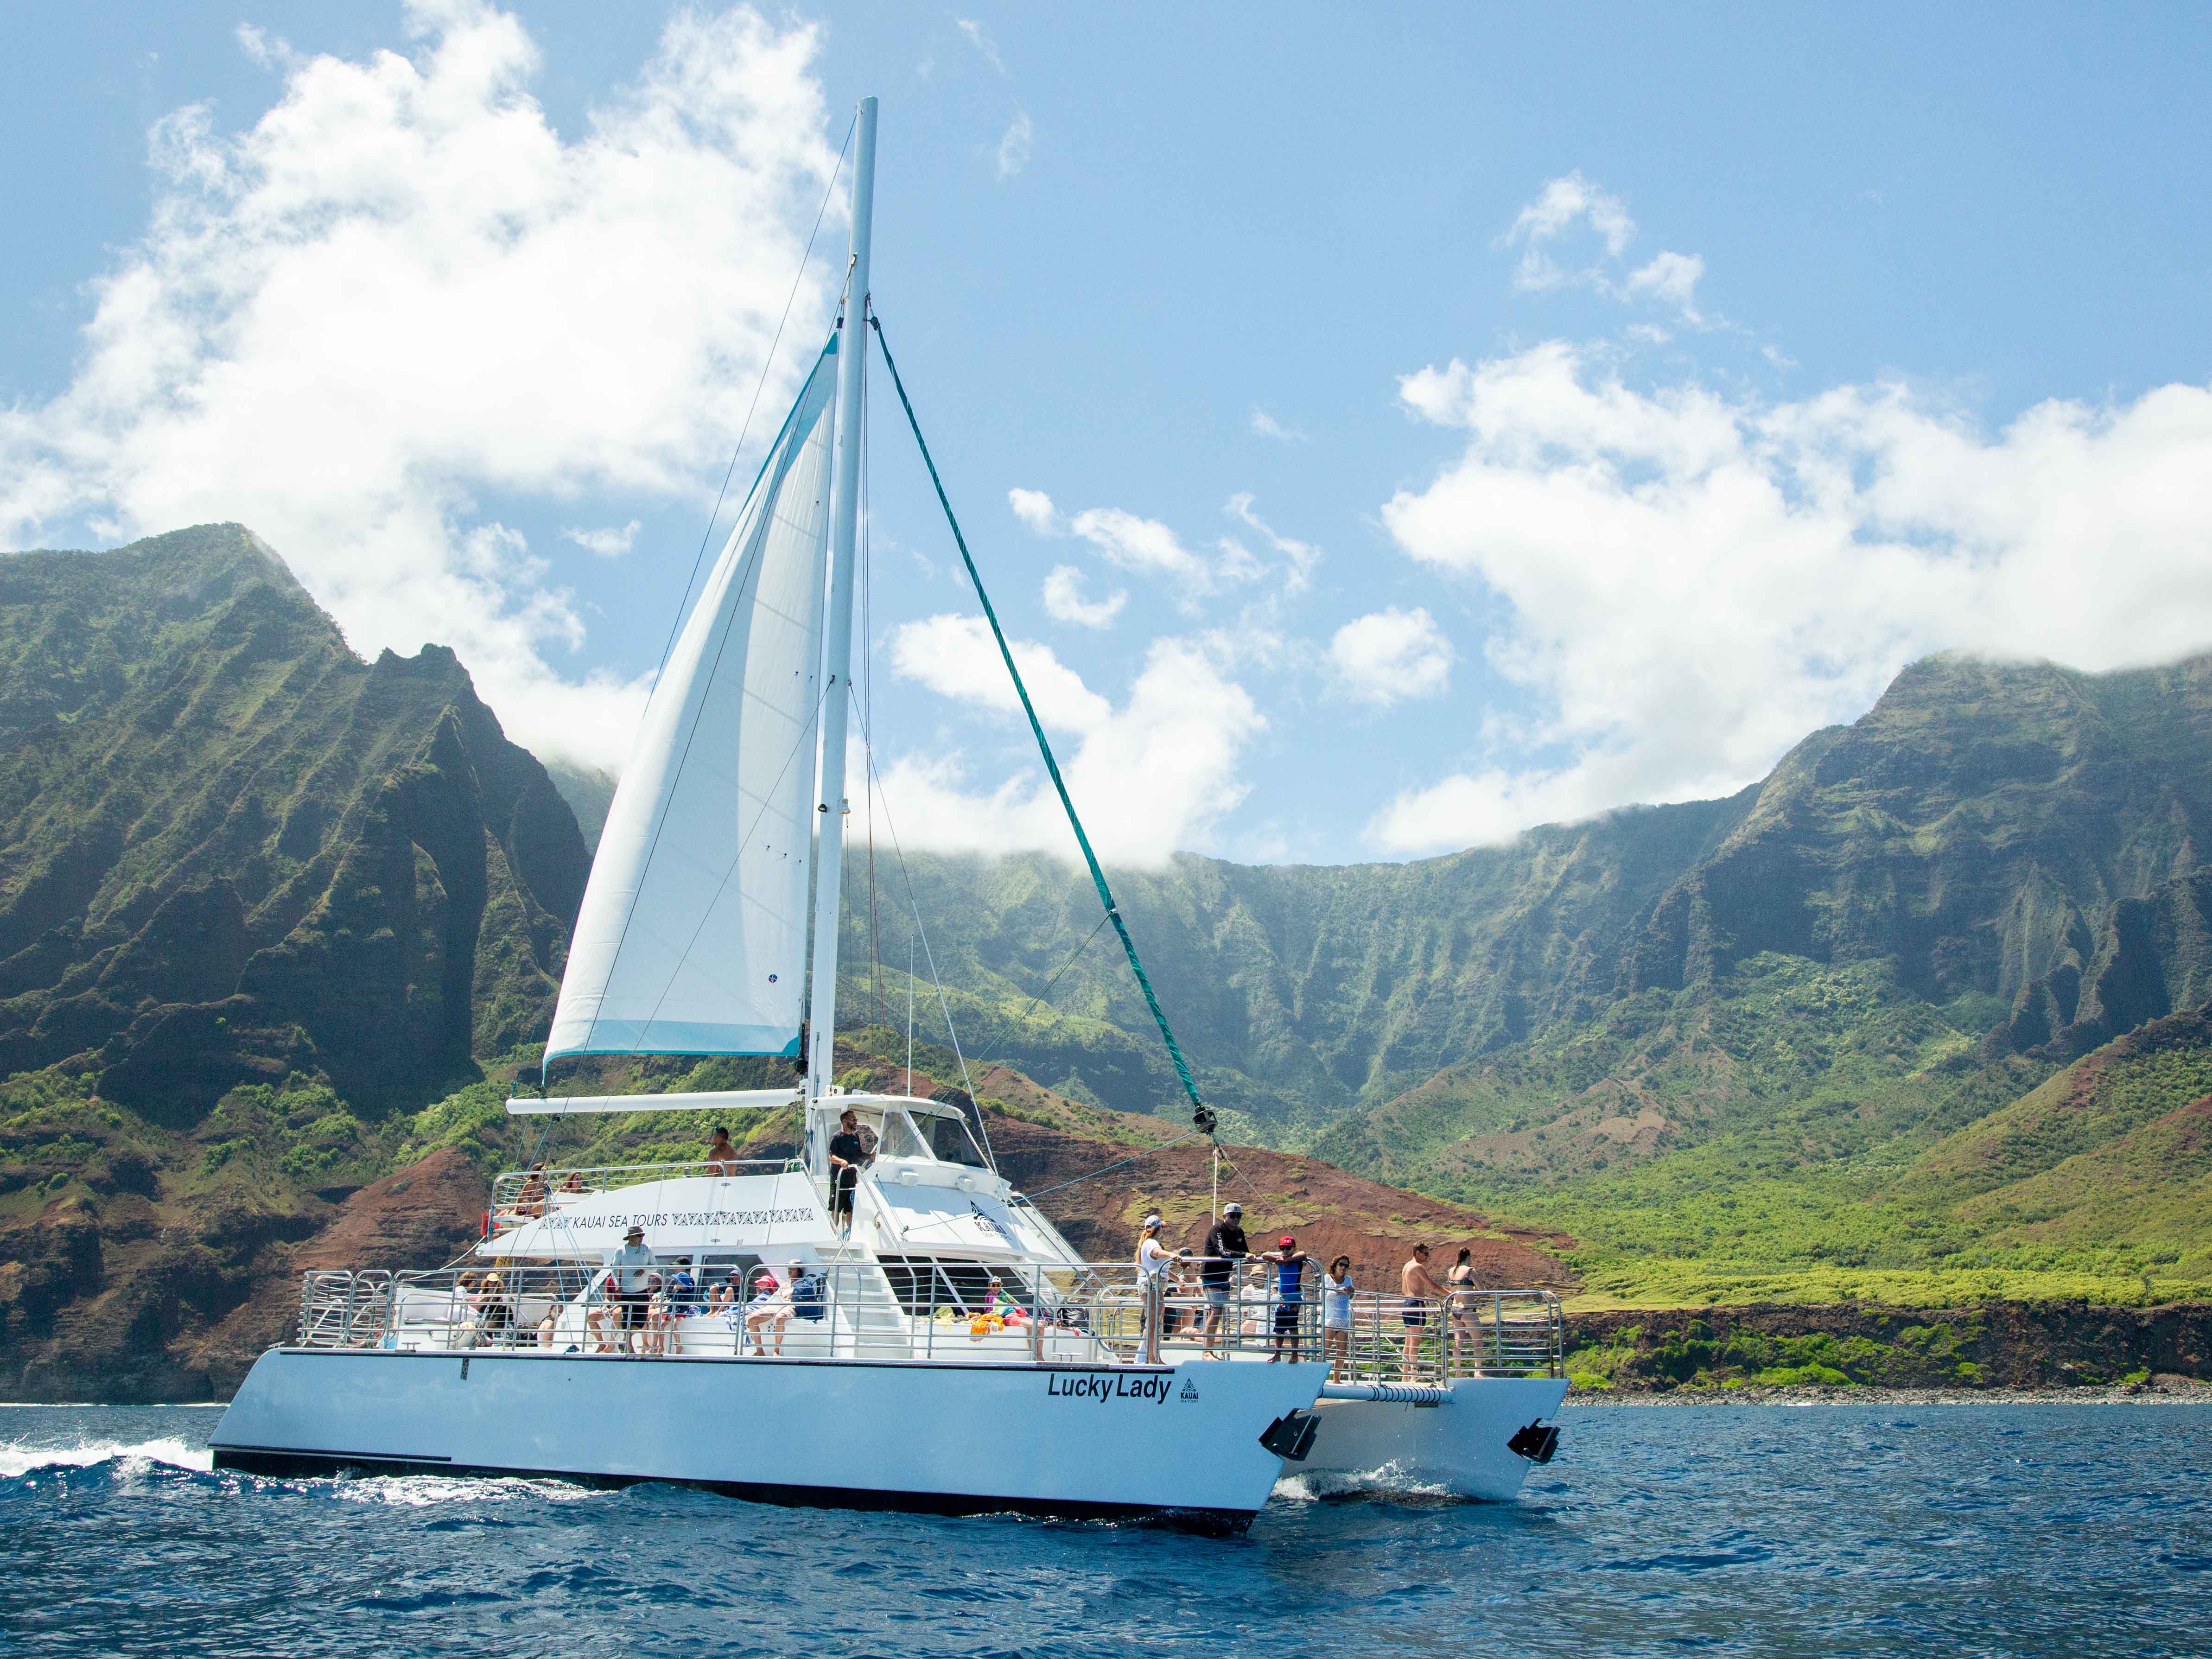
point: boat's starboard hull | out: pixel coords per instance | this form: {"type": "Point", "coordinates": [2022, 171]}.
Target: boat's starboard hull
{"type": "Point", "coordinates": [1088, 1440]}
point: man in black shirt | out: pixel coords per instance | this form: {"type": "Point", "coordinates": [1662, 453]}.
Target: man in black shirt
{"type": "Point", "coordinates": [1224, 1253]}
{"type": "Point", "coordinates": [846, 1154]}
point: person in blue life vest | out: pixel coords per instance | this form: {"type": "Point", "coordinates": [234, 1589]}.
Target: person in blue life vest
{"type": "Point", "coordinates": [1290, 1264]}
{"type": "Point", "coordinates": [808, 1292]}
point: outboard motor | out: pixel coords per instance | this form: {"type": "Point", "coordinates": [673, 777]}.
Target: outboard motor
{"type": "Point", "coordinates": [1537, 1441]}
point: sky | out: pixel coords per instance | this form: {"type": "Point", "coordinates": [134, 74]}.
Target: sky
{"type": "Point", "coordinates": [1380, 433]}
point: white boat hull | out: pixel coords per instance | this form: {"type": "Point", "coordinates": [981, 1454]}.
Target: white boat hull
{"type": "Point", "coordinates": [1181, 1442]}
{"type": "Point", "coordinates": [1460, 1448]}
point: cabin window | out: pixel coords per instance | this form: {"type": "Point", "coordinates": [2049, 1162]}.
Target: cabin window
{"type": "Point", "coordinates": [950, 1142]}
{"type": "Point", "coordinates": [922, 1284]}
{"type": "Point", "coordinates": [899, 1139]}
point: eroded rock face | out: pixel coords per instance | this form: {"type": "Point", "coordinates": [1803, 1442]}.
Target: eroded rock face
{"type": "Point", "coordinates": [229, 849]}
{"type": "Point", "coordinates": [423, 1216]}
{"type": "Point", "coordinates": [128, 1300]}
{"type": "Point", "coordinates": [1329, 1212]}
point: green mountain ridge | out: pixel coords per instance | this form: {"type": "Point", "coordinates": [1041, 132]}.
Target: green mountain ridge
{"type": "Point", "coordinates": [1919, 1019]}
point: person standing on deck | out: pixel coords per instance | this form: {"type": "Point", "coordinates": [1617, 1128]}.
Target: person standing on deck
{"type": "Point", "coordinates": [1224, 1248]}
{"type": "Point", "coordinates": [1290, 1264]}
{"type": "Point", "coordinates": [1419, 1287]}
{"type": "Point", "coordinates": [1152, 1262]}
{"type": "Point", "coordinates": [630, 1277]}
{"type": "Point", "coordinates": [848, 1153]}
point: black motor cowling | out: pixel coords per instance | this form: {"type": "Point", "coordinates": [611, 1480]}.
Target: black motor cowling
{"type": "Point", "coordinates": [1536, 1443]}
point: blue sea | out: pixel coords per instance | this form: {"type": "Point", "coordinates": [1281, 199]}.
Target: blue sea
{"type": "Point", "coordinates": [1819, 1530]}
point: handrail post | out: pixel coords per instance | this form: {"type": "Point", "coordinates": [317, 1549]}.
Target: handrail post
{"type": "Point", "coordinates": [1154, 1302]}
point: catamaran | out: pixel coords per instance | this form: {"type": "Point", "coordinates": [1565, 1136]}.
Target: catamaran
{"type": "Point", "coordinates": [896, 1327]}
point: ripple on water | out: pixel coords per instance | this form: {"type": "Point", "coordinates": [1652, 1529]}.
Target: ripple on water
{"type": "Point", "coordinates": [1821, 1531]}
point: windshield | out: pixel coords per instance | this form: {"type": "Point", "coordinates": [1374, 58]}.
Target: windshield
{"type": "Point", "coordinates": [949, 1139]}
{"type": "Point", "coordinates": [899, 1138]}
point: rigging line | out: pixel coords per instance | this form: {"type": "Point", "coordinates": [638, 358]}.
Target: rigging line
{"type": "Point", "coordinates": [1193, 1134]}
{"type": "Point", "coordinates": [747, 574]}
{"type": "Point", "coordinates": [984, 1066]}
{"type": "Point", "coordinates": [766, 363]}
{"type": "Point", "coordinates": [914, 905]}
{"type": "Point", "coordinates": [1037, 727]}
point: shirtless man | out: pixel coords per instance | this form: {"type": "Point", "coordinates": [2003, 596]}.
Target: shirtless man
{"type": "Point", "coordinates": [1419, 1287]}
{"type": "Point", "coordinates": [722, 1156]}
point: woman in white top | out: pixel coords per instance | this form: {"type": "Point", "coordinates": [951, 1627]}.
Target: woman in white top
{"type": "Point", "coordinates": [1153, 1259]}
{"type": "Point", "coordinates": [1336, 1318]}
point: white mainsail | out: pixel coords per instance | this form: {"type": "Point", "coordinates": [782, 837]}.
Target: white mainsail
{"type": "Point", "coordinates": [692, 939]}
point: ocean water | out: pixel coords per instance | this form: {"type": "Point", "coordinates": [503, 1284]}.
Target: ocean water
{"type": "Point", "coordinates": [1959, 1530]}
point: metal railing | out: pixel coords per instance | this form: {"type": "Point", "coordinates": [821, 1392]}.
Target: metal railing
{"type": "Point", "coordinates": [932, 1309]}
{"type": "Point", "coordinates": [522, 1195]}
{"type": "Point", "coordinates": [1394, 1338]}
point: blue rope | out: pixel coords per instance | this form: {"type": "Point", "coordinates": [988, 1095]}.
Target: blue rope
{"type": "Point", "coordinates": [1097, 875]}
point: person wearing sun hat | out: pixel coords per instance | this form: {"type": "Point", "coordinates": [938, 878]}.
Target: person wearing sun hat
{"type": "Point", "coordinates": [1290, 1265]}
{"type": "Point", "coordinates": [1226, 1248]}
{"type": "Point", "coordinates": [630, 1270]}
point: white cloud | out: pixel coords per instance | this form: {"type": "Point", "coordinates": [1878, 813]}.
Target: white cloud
{"type": "Point", "coordinates": [1264, 425]}
{"type": "Point", "coordinates": [1013, 152]}
{"type": "Point", "coordinates": [1564, 204]}
{"type": "Point", "coordinates": [979, 38]}
{"type": "Point", "coordinates": [1670, 278]}
{"type": "Point", "coordinates": [400, 289]}
{"type": "Point", "coordinates": [1301, 556]}
{"type": "Point", "coordinates": [1149, 777]}
{"type": "Point", "coordinates": [1064, 600]}
{"type": "Point", "coordinates": [1674, 278]}
{"type": "Point", "coordinates": [954, 656]}
{"type": "Point", "coordinates": [1142, 546]}
{"type": "Point", "coordinates": [1392, 655]}
{"type": "Point", "coordinates": [1033, 508]}
{"type": "Point", "coordinates": [608, 543]}
{"type": "Point", "coordinates": [1697, 581]}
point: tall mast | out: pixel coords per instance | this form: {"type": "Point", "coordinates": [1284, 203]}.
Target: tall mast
{"type": "Point", "coordinates": [837, 643]}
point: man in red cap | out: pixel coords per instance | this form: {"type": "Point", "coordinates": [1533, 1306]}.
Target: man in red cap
{"type": "Point", "coordinates": [1290, 1264]}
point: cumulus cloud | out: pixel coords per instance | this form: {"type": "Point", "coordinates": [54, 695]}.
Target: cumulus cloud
{"type": "Point", "coordinates": [1033, 508]}
{"type": "Point", "coordinates": [400, 289]}
{"type": "Point", "coordinates": [1564, 204]}
{"type": "Point", "coordinates": [1151, 776]}
{"type": "Point", "coordinates": [1064, 600]}
{"type": "Point", "coordinates": [608, 544]}
{"type": "Point", "coordinates": [1697, 580]}
{"type": "Point", "coordinates": [1146, 547]}
{"type": "Point", "coordinates": [954, 656]}
{"type": "Point", "coordinates": [1571, 202]}
{"type": "Point", "coordinates": [1391, 655]}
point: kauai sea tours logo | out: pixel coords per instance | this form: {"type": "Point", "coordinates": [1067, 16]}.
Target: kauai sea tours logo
{"type": "Point", "coordinates": [657, 1218]}
{"type": "Point", "coordinates": [1189, 1389]}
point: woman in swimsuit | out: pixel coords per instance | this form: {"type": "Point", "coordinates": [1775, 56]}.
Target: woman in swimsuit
{"type": "Point", "coordinates": [1464, 1327]}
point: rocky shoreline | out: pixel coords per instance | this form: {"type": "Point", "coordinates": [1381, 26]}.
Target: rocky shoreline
{"type": "Point", "coordinates": [2158, 1391]}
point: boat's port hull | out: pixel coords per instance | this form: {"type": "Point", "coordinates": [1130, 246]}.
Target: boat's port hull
{"type": "Point", "coordinates": [1180, 1443]}
{"type": "Point", "coordinates": [1460, 1448]}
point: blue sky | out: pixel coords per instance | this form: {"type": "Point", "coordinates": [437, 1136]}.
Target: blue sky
{"type": "Point", "coordinates": [1489, 417]}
